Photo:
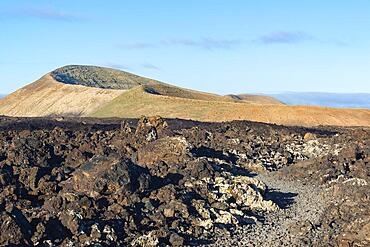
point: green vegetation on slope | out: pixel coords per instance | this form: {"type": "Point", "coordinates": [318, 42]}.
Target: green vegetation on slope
{"type": "Point", "coordinates": [143, 101]}
{"type": "Point", "coordinates": [99, 77]}
{"type": "Point", "coordinates": [165, 101]}
{"type": "Point", "coordinates": [178, 92]}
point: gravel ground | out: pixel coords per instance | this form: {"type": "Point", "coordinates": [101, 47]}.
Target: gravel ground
{"type": "Point", "coordinates": [293, 225]}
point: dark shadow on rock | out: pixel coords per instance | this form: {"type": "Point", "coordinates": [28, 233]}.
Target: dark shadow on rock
{"type": "Point", "coordinates": [198, 242]}
{"type": "Point", "coordinates": [212, 153]}
{"type": "Point", "coordinates": [234, 170]}
{"type": "Point", "coordinates": [22, 222]}
{"type": "Point", "coordinates": [55, 230]}
{"type": "Point", "coordinates": [283, 199]}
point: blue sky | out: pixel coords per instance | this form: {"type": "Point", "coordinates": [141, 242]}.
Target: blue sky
{"type": "Point", "coordinates": [233, 46]}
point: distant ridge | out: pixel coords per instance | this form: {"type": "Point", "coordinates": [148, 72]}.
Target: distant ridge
{"type": "Point", "coordinates": [338, 100]}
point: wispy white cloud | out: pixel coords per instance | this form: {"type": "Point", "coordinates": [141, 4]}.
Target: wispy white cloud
{"type": "Point", "coordinates": [122, 66]}
{"type": "Point", "coordinates": [138, 45]}
{"type": "Point", "coordinates": [117, 66]}
{"type": "Point", "coordinates": [285, 37]}
{"type": "Point", "coordinates": [211, 44]}
{"type": "Point", "coordinates": [336, 42]}
{"type": "Point", "coordinates": [205, 44]}
{"type": "Point", "coordinates": [150, 66]}
{"type": "Point", "coordinates": [42, 13]}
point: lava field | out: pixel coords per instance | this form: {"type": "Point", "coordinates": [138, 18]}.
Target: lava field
{"type": "Point", "coordinates": [171, 182]}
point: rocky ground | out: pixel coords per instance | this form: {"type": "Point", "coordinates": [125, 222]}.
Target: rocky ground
{"type": "Point", "coordinates": [150, 182]}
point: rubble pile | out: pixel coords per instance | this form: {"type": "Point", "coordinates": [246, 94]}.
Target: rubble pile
{"type": "Point", "coordinates": [265, 147]}
{"type": "Point", "coordinates": [345, 178]}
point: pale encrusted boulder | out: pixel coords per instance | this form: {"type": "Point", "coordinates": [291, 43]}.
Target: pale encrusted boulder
{"type": "Point", "coordinates": [148, 240]}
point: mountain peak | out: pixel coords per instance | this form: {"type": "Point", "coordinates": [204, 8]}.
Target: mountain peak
{"type": "Point", "coordinates": [99, 77]}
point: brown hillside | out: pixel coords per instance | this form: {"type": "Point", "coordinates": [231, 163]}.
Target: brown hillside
{"type": "Point", "coordinates": [261, 99]}
{"type": "Point", "coordinates": [138, 102]}
{"type": "Point", "coordinates": [77, 90]}
{"type": "Point", "coordinates": [49, 97]}
{"type": "Point", "coordinates": [178, 92]}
